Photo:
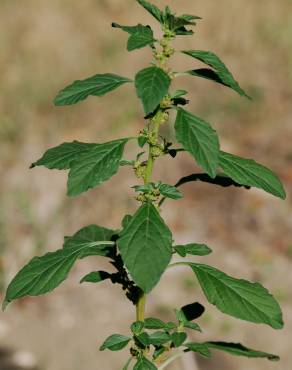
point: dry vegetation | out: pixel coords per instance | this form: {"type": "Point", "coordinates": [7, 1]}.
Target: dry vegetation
{"type": "Point", "coordinates": [46, 44]}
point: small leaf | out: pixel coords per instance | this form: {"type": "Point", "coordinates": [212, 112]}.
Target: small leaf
{"type": "Point", "coordinates": [178, 94]}
{"type": "Point", "coordinates": [238, 297]}
{"type": "Point", "coordinates": [221, 73]}
{"type": "Point", "coordinates": [43, 274]}
{"type": "Point", "coordinates": [193, 249]}
{"type": "Point", "coordinates": [143, 339]}
{"type": "Point", "coordinates": [95, 166]}
{"type": "Point", "coordinates": [238, 349]}
{"type": "Point", "coordinates": [137, 327]}
{"type": "Point", "coordinates": [145, 246]}
{"type": "Point", "coordinates": [221, 180]}
{"type": "Point", "coordinates": [193, 311]}
{"type": "Point", "coordinates": [143, 363]}
{"type": "Point", "coordinates": [178, 338]}
{"type": "Point", "coordinates": [199, 139]}
{"type": "Point", "coordinates": [153, 10]}
{"type": "Point", "coordinates": [158, 352]}
{"type": "Point", "coordinates": [97, 85]}
{"type": "Point", "coordinates": [152, 85]}
{"type": "Point", "coordinates": [141, 36]}
{"type": "Point", "coordinates": [200, 348]}
{"type": "Point", "coordinates": [153, 323]}
{"type": "Point", "coordinates": [170, 191]}
{"type": "Point", "coordinates": [170, 326]}
{"type": "Point", "coordinates": [62, 156]}
{"type": "Point", "coordinates": [250, 173]}
{"type": "Point", "coordinates": [159, 337]}
{"type": "Point", "coordinates": [95, 277]}
{"type": "Point", "coordinates": [193, 326]}
{"type": "Point", "coordinates": [115, 342]}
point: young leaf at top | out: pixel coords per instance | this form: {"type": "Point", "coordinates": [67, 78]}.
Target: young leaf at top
{"type": "Point", "coordinates": [238, 349]}
{"type": "Point", "coordinates": [221, 73]}
{"type": "Point", "coordinates": [61, 157]}
{"type": "Point", "coordinates": [143, 363]}
{"type": "Point", "coordinates": [170, 191]}
{"type": "Point", "coordinates": [140, 36]}
{"type": "Point", "coordinates": [178, 24]}
{"type": "Point", "coordinates": [238, 297]}
{"type": "Point", "coordinates": [193, 249]}
{"type": "Point", "coordinates": [249, 172]}
{"type": "Point", "coordinates": [153, 10]}
{"type": "Point", "coordinates": [199, 139]}
{"type": "Point", "coordinates": [115, 342]}
{"type": "Point", "coordinates": [152, 85]}
{"type": "Point", "coordinates": [95, 166]}
{"type": "Point", "coordinates": [145, 246]}
{"type": "Point", "coordinates": [97, 85]}
{"type": "Point", "coordinates": [43, 274]}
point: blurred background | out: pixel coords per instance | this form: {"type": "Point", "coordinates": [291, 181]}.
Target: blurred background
{"type": "Point", "coordinates": [44, 46]}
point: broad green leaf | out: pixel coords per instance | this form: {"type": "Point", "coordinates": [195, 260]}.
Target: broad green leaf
{"type": "Point", "coordinates": [193, 249]}
{"type": "Point", "coordinates": [126, 220]}
{"type": "Point", "coordinates": [143, 363]}
{"type": "Point", "coordinates": [200, 348]}
{"type": "Point", "coordinates": [159, 337]}
{"type": "Point", "coordinates": [95, 277]}
{"type": "Point", "coordinates": [238, 297]}
{"type": "Point", "coordinates": [115, 342]}
{"type": "Point", "coordinates": [221, 180]}
{"type": "Point", "coordinates": [153, 10]}
{"type": "Point", "coordinates": [145, 246]}
{"type": "Point", "coordinates": [238, 349]}
{"type": "Point", "coordinates": [43, 274]}
{"type": "Point", "coordinates": [221, 73]}
{"type": "Point", "coordinates": [153, 323]}
{"type": "Point", "coordinates": [95, 166]}
{"type": "Point", "coordinates": [250, 173]}
{"type": "Point", "coordinates": [61, 157]}
{"type": "Point", "coordinates": [178, 338]}
{"type": "Point", "coordinates": [140, 36]}
{"type": "Point", "coordinates": [199, 139]}
{"type": "Point", "coordinates": [170, 191]}
{"type": "Point", "coordinates": [193, 311]}
{"type": "Point", "coordinates": [152, 85]}
{"type": "Point", "coordinates": [97, 85]}
{"type": "Point", "coordinates": [137, 327]}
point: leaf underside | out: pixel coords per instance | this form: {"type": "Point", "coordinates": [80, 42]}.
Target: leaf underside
{"type": "Point", "coordinates": [145, 246]}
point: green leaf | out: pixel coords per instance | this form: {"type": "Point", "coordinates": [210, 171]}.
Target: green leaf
{"type": "Point", "coordinates": [145, 246]}
{"type": "Point", "coordinates": [141, 36]}
{"type": "Point", "coordinates": [97, 85]}
{"type": "Point", "coordinates": [238, 349]}
{"type": "Point", "coordinates": [143, 363]}
{"type": "Point", "coordinates": [126, 220]}
{"type": "Point", "coordinates": [95, 277]}
{"type": "Point", "coordinates": [220, 180]}
{"type": "Point", "coordinates": [221, 73]}
{"type": "Point", "coordinates": [153, 10]}
{"type": "Point", "coordinates": [143, 338]}
{"type": "Point", "coordinates": [158, 352]}
{"type": "Point", "coordinates": [193, 326]}
{"type": "Point", "coordinates": [153, 323]}
{"type": "Point", "coordinates": [95, 166]}
{"type": "Point", "coordinates": [62, 156]}
{"type": "Point", "coordinates": [152, 85]}
{"type": "Point", "coordinates": [43, 274]}
{"type": "Point", "coordinates": [178, 338]}
{"type": "Point", "coordinates": [238, 297]}
{"type": "Point", "coordinates": [170, 191]}
{"type": "Point", "coordinates": [137, 327]}
{"type": "Point", "coordinates": [177, 23]}
{"type": "Point", "coordinates": [249, 172]}
{"type": "Point", "coordinates": [200, 348]}
{"type": "Point", "coordinates": [178, 94]}
{"type": "Point", "coordinates": [193, 249]}
{"type": "Point", "coordinates": [199, 139]}
{"type": "Point", "coordinates": [115, 342]}
{"type": "Point", "coordinates": [159, 337]}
